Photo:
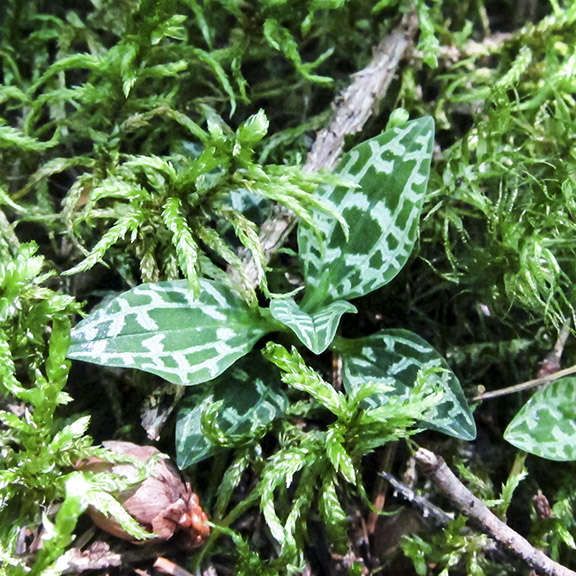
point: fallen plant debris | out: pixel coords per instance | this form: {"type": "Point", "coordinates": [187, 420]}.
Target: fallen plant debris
{"type": "Point", "coordinates": [98, 556]}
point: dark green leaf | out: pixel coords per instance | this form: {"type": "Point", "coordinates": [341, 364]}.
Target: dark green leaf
{"type": "Point", "coordinates": [394, 357]}
{"type": "Point", "coordinates": [382, 213]}
{"type": "Point", "coordinates": [161, 328]}
{"type": "Point", "coordinates": [249, 398]}
{"type": "Point", "coordinates": [546, 424]}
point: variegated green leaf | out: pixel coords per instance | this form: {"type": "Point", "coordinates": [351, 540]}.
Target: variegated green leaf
{"type": "Point", "coordinates": [391, 173]}
{"type": "Point", "coordinates": [546, 425]}
{"type": "Point", "coordinates": [316, 331]}
{"type": "Point", "coordinates": [161, 328]}
{"type": "Point", "coordinates": [394, 358]}
{"type": "Point", "coordinates": [249, 397]}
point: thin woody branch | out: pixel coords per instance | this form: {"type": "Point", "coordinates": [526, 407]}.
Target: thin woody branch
{"type": "Point", "coordinates": [426, 507]}
{"type": "Point", "coordinates": [469, 505]}
{"type": "Point", "coordinates": [525, 385]}
{"type": "Point", "coordinates": [549, 369]}
{"type": "Point", "coordinates": [353, 107]}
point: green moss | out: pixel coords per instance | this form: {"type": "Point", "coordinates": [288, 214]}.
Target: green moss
{"type": "Point", "coordinates": [154, 137]}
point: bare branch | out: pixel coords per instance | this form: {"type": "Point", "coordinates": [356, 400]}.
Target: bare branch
{"type": "Point", "coordinates": [551, 364]}
{"type": "Point", "coordinates": [490, 524]}
{"type": "Point", "coordinates": [97, 557]}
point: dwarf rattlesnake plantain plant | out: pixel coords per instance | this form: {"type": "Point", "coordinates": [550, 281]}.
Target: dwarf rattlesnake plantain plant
{"type": "Point", "coordinates": [394, 381]}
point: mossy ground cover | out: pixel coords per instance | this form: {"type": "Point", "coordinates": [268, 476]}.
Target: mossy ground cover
{"type": "Point", "coordinates": [149, 141]}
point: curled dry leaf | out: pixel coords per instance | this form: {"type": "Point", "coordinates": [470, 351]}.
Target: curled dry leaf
{"type": "Point", "coordinates": [163, 503]}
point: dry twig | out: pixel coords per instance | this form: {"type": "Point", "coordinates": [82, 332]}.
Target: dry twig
{"type": "Point", "coordinates": [525, 385]}
{"type": "Point", "coordinates": [168, 567]}
{"type": "Point", "coordinates": [551, 363]}
{"type": "Point", "coordinates": [549, 370]}
{"type": "Point", "coordinates": [380, 487]}
{"type": "Point", "coordinates": [355, 105]}
{"type": "Point", "coordinates": [490, 524]}
{"type": "Point", "coordinates": [97, 557]}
